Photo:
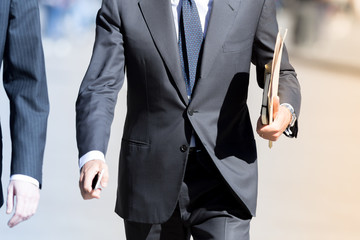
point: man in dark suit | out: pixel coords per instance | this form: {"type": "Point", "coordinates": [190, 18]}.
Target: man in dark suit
{"type": "Point", "coordinates": [188, 163]}
{"type": "Point", "coordinates": [25, 84]}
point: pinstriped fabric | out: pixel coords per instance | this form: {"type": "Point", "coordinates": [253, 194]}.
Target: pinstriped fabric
{"type": "Point", "coordinates": [25, 84]}
{"type": "Point", "coordinates": [4, 13]}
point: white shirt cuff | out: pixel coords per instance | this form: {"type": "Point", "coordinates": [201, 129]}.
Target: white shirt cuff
{"type": "Point", "coordinates": [92, 155]}
{"type": "Point", "coordinates": [25, 178]}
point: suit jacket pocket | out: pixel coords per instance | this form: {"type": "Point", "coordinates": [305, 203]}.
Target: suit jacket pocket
{"type": "Point", "coordinates": [131, 144]}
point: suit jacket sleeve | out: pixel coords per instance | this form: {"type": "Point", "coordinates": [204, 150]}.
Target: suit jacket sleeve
{"type": "Point", "coordinates": [289, 88]}
{"type": "Point", "coordinates": [102, 82]}
{"type": "Point", "coordinates": [25, 85]}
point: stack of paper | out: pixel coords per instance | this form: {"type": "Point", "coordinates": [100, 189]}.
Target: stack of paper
{"type": "Point", "coordinates": [272, 73]}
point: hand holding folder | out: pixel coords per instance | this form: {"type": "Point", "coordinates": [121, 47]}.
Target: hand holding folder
{"type": "Point", "coordinates": [271, 82]}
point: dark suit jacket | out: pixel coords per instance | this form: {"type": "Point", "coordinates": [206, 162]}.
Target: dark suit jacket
{"type": "Point", "coordinates": [138, 37]}
{"type": "Point", "coordinates": [25, 84]}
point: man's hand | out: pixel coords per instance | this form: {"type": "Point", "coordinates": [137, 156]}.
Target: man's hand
{"type": "Point", "coordinates": [27, 201]}
{"type": "Point", "coordinates": [87, 174]}
{"type": "Point", "coordinates": [282, 119]}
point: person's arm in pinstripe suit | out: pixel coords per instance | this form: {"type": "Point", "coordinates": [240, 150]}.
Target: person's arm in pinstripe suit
{"type": "Point", "coordinates": [25, 85]}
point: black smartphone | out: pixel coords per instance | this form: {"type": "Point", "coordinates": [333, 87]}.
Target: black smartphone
{"type": "Point", "coordinates": [97, 179]}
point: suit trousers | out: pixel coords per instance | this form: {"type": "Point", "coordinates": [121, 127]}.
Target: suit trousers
{"type": "Point", "coordinates": [206, 210]}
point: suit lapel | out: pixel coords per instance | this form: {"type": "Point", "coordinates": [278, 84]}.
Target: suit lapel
{"type": "Point", "coordinates": [222, 16]}
{"type": "Point", "coordinates": [159, 19]}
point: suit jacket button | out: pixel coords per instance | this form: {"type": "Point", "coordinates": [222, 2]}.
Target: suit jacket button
{"type": "Point", "coordinates": [183, 148]}
{"type": "Point", "coordinates": [191, 112]}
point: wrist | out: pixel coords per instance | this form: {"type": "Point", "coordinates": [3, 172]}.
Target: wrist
{"type": "Point", "coordinates": [292, 112]}
{"type": "Point", "coordinates": [92, 155]}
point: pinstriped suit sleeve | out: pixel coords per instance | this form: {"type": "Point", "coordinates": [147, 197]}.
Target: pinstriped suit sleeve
{"type": "Point", "coordinates": [25, 85]}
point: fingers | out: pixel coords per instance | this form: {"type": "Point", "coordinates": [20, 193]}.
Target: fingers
{"type": "Point", "coordinates": [87, 174]}
{"type": "Point", "coordinates": [273, 131]}
{"type": "Point", "coordinates": [282, 118]}
{"type": "Point", "coordinates": [22, 212]}
{"type": "Point", "coordinates": [105, 179]}
{"type": "Point", "coordinates": [10, 199]}
{"type": "Point", "coordinates": [85, 184]}
{"type": "Point", "coordinates": [276, 105]}
{"type": "Point", "coordinates": [269, 132]}
{"type": "Point", "coordinates": [27, 200]}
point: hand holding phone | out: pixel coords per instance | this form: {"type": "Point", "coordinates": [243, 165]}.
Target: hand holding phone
{"type": "Point", "coordinates": [97, 179]}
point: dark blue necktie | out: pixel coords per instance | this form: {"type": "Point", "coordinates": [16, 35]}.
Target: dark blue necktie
{"type": "Point", "coordinates": [190, 41]}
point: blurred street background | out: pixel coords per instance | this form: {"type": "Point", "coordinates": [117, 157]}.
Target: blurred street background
{"type": "Point", "coordinates": [308, 187]}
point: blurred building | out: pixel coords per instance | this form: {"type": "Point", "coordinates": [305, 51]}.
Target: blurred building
{"type": "Point", "coordinates": [324, 30]}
